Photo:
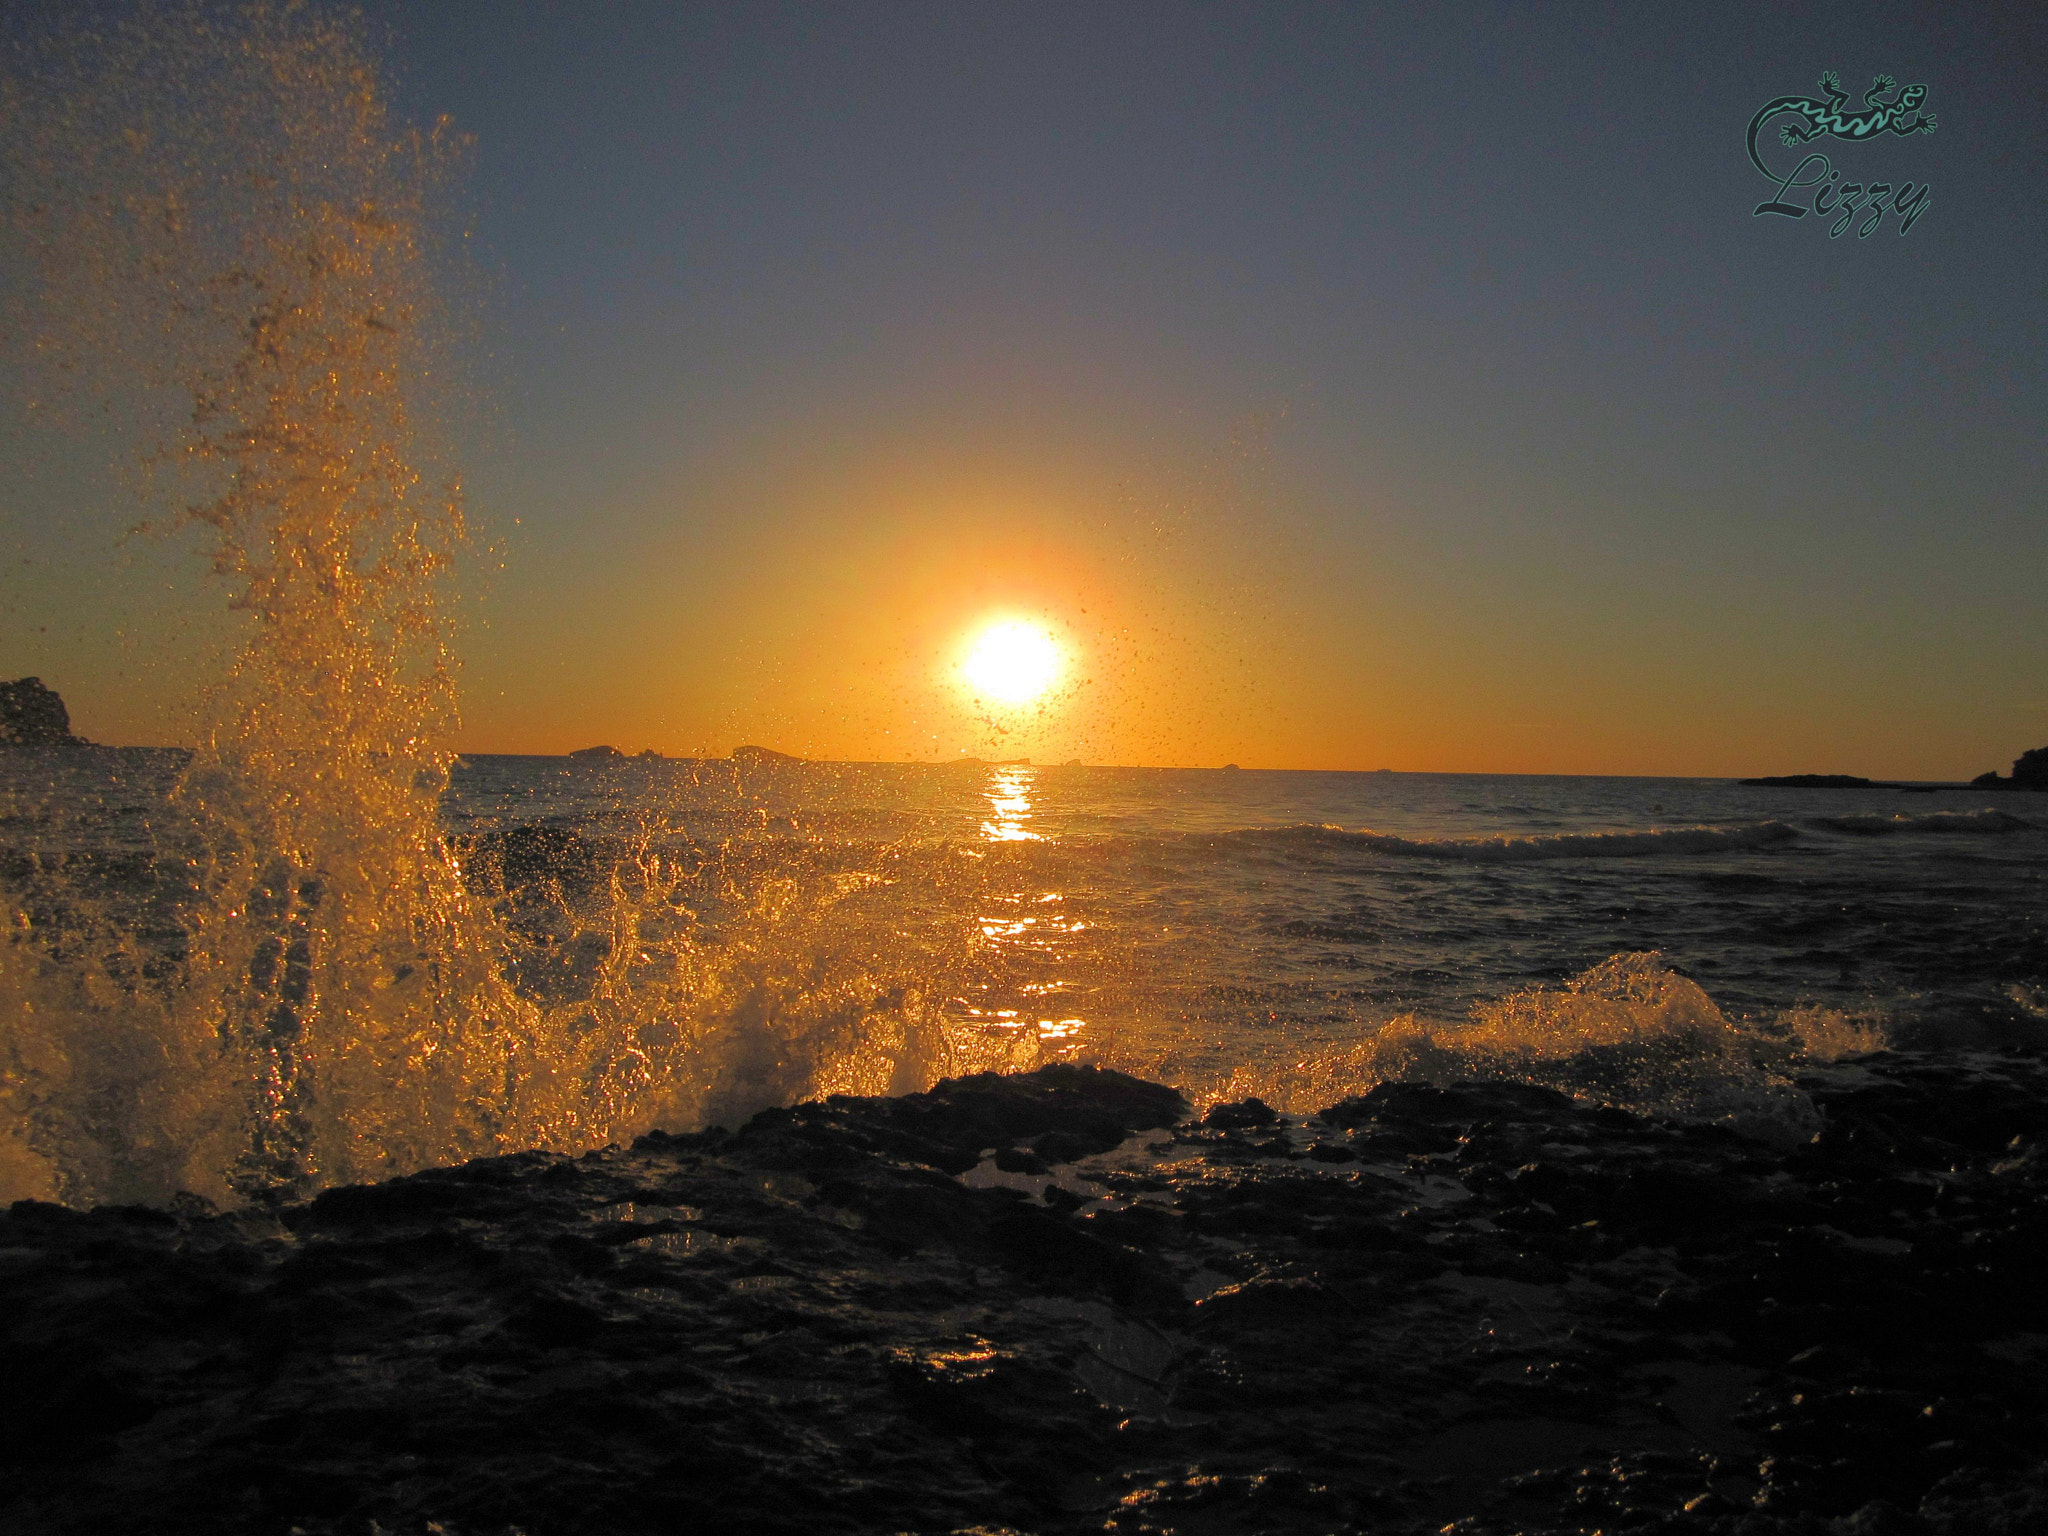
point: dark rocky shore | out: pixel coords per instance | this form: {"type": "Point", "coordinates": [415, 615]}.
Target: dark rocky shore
{"type": "Point", "coordinates": [1481, 1309]}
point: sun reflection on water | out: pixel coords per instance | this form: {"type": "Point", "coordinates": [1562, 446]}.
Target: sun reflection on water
{"type": "Point", "coordinates": [1025, 1008]}
{"type": "Point", "coordinates": [1009, 801]}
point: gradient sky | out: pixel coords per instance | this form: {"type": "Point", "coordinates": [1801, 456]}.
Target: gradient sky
{"type": "Point", "coordinates": [1351, 386]}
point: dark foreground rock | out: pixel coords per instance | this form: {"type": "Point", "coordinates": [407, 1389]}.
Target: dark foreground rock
{"type": "Point", "coordinates": [994, 1308]}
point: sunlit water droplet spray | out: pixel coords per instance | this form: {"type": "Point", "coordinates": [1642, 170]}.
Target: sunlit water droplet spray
{"type": "Point", "coordinates": [218, 203]}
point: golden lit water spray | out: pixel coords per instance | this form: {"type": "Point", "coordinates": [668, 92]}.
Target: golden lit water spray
{"type": "Point", "coordinates": [218, 226]}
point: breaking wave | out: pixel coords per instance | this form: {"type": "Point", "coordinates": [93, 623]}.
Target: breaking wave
{"type": "Point", "coordinates": [1982, 823]}
{"type": "Point", "coordinates": [1629, 845]}
{"type": "Point", "coordinates": [1630, 1033]}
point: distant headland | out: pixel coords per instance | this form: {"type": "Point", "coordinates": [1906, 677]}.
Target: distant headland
{"type": "Point", "coordinates": [2029, 771]}
{"type": "Point", "coordinates": [33, 715]}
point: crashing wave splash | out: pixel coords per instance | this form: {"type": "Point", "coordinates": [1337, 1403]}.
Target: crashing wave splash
{"type": "Point", "coordinates": [1630, 1033]}
{"type": "Point", "coordinates": [231, 235]}
{"type": "Point", "coordinates": [218, 203]}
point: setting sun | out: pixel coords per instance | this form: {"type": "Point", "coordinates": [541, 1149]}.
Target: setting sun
{"type": "Point", "coordinates": [1013, 662]}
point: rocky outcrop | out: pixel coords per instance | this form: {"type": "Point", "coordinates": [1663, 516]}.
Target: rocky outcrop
{"type": "Point", "coordinates": [2029, 771]}
{"type": "Point", "coordinates": [761, 755]}
{"type": "Point", "coordinates": [597, 752]}
{"type": "Point", "coordinates": [993, 1307]}
{"type": "Point", "coordinates": [33, 715]}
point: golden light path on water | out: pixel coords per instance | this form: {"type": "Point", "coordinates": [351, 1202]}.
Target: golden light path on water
{"type": "Point", "coordinates": [1031, 929]}
{"type": "Point", "coordinates": [1009, 800]}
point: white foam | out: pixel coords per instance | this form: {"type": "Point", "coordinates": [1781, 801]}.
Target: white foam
{"type": "Point", "coordinates": [1630, 1033]}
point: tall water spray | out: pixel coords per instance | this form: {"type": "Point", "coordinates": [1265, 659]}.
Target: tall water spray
{"type": "Point", "coordinates": [218, 222]}
{"type": "Point", "coordinates": [220, 205]}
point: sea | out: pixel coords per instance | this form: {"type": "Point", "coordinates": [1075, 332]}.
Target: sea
{"type": "Point", "coordinates": [321, 949]}
{"type": "Point", "coordinates": [681, 942]}
{"type": "Point", "coordinates": [1204, 924]}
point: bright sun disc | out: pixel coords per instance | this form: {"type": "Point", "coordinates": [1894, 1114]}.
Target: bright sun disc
{"type": "Point", "coordinates": [1013, 662]}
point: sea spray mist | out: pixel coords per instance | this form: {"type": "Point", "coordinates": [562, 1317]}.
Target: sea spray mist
{"type": "Point", "coordinates": [224, 236]}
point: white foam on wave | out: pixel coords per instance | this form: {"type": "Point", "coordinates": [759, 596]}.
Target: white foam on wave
{"type": "Point", "coordinates": [1631, 1033]}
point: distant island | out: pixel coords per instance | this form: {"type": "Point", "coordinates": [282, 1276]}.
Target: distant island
{"type": "Point", "coordinates": [761, 755]}
{"type": "Point", "coordinates": [33, 715]}
{"type": "Point", "coordinates": [2029, 772]}
{"type": "Point", "coordinates": [1816, 781]}
{"type": "Point", "coordinates": [597, 752]}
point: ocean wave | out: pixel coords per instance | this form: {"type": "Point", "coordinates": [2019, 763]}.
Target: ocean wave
{"type": "Point", "coordinates": [1551, 845]}
{"type": "Point", "coordinates": [1504, 848]}
{"type": "Point", "coordinates": [1870, 824]}
{"type": "Point", "coordinates": [1630, 1032]}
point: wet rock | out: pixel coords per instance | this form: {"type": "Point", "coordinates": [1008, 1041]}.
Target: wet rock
{"type": "Point", "coordinates": [1020, 1160]}
{"type": "Point", "coordinates": [1497, 1312]}
{"type": "Point", "coordinates": [1246, 1114]}
{"type": "Point", "coordinates": [1284, 1303]}
{"type": "Point", "coordinates": [1065, 1146]}
{"type": "Point", "coordinates": [1089, 1109]}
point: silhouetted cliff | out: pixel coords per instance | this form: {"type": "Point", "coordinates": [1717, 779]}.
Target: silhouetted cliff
{"type": "Point", "coordinates": [32, 715]}
{"type": "Point", "coordinates": [2029, 771]}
